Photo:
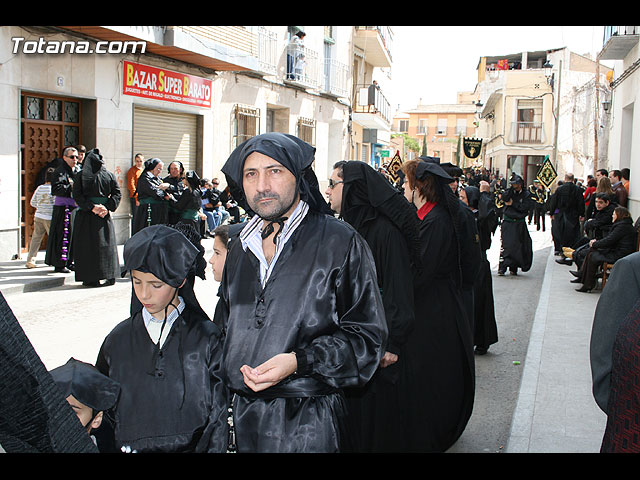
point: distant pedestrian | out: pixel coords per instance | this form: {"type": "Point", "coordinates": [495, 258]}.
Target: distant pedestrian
{"type": "Point", "coordinates": [94, 246]}
{"type": "Point", "coordinates": [516, 250]}
{"type": "Point", "coordinates": [59, 243]}
{"type": "Point", "coordinates": [42, 201]}
{"type": "Point", "coordinates": [133, 174]}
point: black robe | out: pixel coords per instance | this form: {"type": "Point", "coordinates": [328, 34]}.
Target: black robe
{"type": "Point", "coordinates": [484, 325]}
{"type": "Point", "coordinates": [441, 371]}
{"type": "Point", "coordinates": [153, 210]}
{"type": "Point", "coordinates": [176, 189]}
{"type": "Point", "coordinates": [95, 247]}
{"type": "Point", "coordinates": [187, 207]}
{"type": "Point", "coordinates": [322, 301]}
{"type": "Point", "coordinates": [567, 206]}
{"type": "Point", "coordinates": [61, 229]}
{"type": "Point", "coordinates": [172, 398]}
{"type": "Point", "coordinates": [516, 250]}
{"type": "Point", "coordinates": [388, 223]}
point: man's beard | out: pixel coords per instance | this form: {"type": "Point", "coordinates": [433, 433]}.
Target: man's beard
{"type": "Point", "coordinates": [278, 208]}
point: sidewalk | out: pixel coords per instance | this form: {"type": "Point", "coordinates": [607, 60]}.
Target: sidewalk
{"type": "Point", "coordinates": [15, 278]}
{"type": "Point", "coordinates": [556, 412]}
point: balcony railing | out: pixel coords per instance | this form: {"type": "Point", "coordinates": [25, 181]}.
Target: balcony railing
{"type": "Point", "coordinates": [369, 99]}
{"type": "Point", "coordinates": [336, 78]}
{"type": "Point", "coordinates": [610, 31]}
{"type": "Point", "coordinates": [302, 66]}
{"type": "Point", "coordinates": [527, 132]}
{"type": "Point", "coordinates": [267, 46]}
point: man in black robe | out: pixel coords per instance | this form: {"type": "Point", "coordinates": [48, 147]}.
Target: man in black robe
{"type": "Point", "coordinates": [516, 250]}
{"type": "Point", "coordinates": [566, 206]}
{"type": "Point", "coordinates": [95, 247]}
{"type": "Point", "coordinates": [301, 307]}
{"type": "Point", "coordinates": [367, 201]}
{"type": "Point", "coordinates": [167, 356]}
{"type": "Point", "coordinates": [58, 253]}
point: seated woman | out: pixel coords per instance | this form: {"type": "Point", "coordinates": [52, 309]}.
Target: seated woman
{"type": "Point", "coordinates": [619, 242]}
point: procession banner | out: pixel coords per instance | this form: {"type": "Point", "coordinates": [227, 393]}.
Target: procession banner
{"type": "Point", "coordinates": [547, 173]}
{"type": "Point", "coordinates": [394, 166]}
{"type": "Point", "coordinates": [162, 84]}
{"type": "Point", "coordinates": [471, 147]}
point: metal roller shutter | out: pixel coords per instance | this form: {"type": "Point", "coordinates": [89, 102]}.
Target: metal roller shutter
{"type": "Point", "coordinates": [166, 135]}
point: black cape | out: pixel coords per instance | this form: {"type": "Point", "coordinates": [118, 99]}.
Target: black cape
{"type": "Point", "coordinates": [516, 250]}
{"type": "Point", "coordinates": [485, 329]}
{"type": "Point", "coordinates": [94, 244]}
{"type": "Point", "coordinates": [34, 415]}
{"type": "Point", "coordinates": [61, 229]}
{"type": "Point", "coordinates": [567, 206]}
{"type": "Point", "coordinates": [389, 225]}
{"type": "Point", "coordinates": [440, 349]}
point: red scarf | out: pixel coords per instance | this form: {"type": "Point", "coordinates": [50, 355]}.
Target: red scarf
{"type": "Point", "coordinates": [425, 209]}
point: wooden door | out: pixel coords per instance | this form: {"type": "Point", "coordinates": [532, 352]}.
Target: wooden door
{"type": "Point", "coordinates": [42, 143]}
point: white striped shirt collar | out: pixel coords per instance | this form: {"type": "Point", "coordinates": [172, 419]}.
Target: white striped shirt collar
{"type": "Point", "coordinates": [154, 326]}
{"type": "Point", "coordinates": [251, 238]}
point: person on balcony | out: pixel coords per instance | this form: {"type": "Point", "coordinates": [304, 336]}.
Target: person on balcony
{"type": "Point", "coordinates": [294, 51]}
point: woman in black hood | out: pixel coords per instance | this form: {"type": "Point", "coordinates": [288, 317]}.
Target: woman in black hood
{"type": "Point", "coordinates": [389, 225]}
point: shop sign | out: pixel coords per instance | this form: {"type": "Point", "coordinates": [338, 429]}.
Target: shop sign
{"type": "Point", "coordinates": [161, 84]}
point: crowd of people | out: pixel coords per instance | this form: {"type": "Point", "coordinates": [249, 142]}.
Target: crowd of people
{"type": "Point", "coordinates": [591, 225]}
{"type": "Point", "coordinates": [345, 322]}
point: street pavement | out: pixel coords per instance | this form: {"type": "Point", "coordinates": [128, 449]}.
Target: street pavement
{"type": "Point", "coordinates": [554, 409]}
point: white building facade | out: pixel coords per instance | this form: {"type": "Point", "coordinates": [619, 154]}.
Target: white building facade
{"type": "Point", "coordinates": [182, 93]}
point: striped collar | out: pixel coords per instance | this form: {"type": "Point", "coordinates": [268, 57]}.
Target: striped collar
{"type": "Point", "coordinates": [250, 238]}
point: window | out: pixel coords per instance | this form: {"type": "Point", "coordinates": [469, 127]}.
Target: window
{"type": "Point", "coordinates": [403, 126]}
{"type": "Point", "coordinates": [422, 126]}
{"type": "Point", "coordinates": [246, 123]}
{"type": "Point", "coordinates": [461, 126]}
{"type": "Point", "coordinates": [529, 121]}
{"type": "Point", "coordinates": [442, 126]}
{"type": "Point", "coordinates": [307, 130]}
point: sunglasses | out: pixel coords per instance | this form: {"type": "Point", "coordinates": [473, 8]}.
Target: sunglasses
{"type": "Point", "coordinates": [332, 184]}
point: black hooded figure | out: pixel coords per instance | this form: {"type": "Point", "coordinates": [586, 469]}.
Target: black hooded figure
{"type": "Point", "coordinates": [94, 244]}
{"type": "Point", "coordinates": [154, 208]}
{"type": "Point", "coordinates": [485, 329]}
{"type": "Point", "coordinates": [566, 206]}
{"type": "Point", "coordinates": [389, 225]}
{"type": "Point", "coordinates": [172, 396]}
{"type": "Point", "coordinates": [34, 415]}
{"type": "Point", "coordinates": [439, 352]}
{"type": "Point", "coordinates": [516, 251]}
{"type": "Point", "coordinates": [319, 301]}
